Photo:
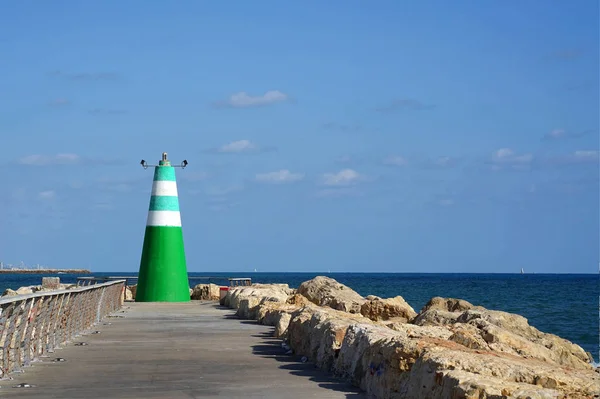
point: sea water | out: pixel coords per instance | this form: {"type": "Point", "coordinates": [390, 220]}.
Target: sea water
{"type": "Point", "coordinates": [563, 304]}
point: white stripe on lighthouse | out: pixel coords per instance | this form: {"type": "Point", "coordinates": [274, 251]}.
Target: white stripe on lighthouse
{"type": "Point", "coordinates": [164, 188]}
{"type": "Point", "coordinates": [164, 218]}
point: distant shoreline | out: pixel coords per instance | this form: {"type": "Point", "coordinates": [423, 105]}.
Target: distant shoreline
{"type": "Point", "coordinates": [45, 271]}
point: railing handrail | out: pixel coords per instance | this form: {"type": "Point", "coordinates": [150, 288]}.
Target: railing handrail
{"type": "Point", "coordinates": [136, 277]}
{"type": "Point", "coordinates": [9, 299]}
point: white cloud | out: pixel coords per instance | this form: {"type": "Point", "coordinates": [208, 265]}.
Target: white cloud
{"type": "Point", "coordinates": [47, 195]}
{"type": "Point", "coordinates": [244, 100]}
{"type": "Point", "coordinates": [556, 133]}
{"type": "Point", "coordinates": [586, 155]}
{"type": "Point", "coordinates": [280, 176]}
{"type": "Point", "coordinates": [44, 160]}
{"type": "Point", "coordinates": [507, 157]}
{"type": "Point", "coordinates": [239, 146]}
{"type": "Point", "coordinates": [578, 157]}
{"type": "Point", "coordinates": [344, 177]}
{"type": "Point", "coordinates": [395, 161]}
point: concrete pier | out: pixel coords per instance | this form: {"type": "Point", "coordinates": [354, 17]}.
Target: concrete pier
{"type": "Point", "coordinates": [175, 350]}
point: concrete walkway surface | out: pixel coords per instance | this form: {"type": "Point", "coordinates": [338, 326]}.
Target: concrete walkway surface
{"type": "Point", "coordinates": [171, 351]}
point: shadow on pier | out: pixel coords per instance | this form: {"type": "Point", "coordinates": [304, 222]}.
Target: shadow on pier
{"type": "Point", "coordinates": [271, 348]}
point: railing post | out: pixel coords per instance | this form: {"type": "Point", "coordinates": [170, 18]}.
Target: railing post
{"type": "Point", "coordinates": [34, 324]}
{"type": "Point", "coordinates": [6, 320]}
{"type": "Point", "coordinates": [31, 327]}
{"type": "Point", "coordinates": [16, 350]}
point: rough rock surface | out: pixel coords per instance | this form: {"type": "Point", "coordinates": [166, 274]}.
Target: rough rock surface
{"type": "Point", "coordinates": [455, 350]}
{"type": "Point", "coordinates": [447, 304]}
{"type": "Point", "coordinates": [479, 328]}
{"type": "Point", "coordinates": [279, 314]}
{"type": "Point", "coordinates": [395, 309]}
{"type": "Point", "coordinates": [51, 283]}
{"type": "Point", "coordinates": [129, 294]}
{"type": "Point", "coordinates": [276, 314]}
{"type": "Point", "coordinates": [205, 292]}
{"type": "Point", "coordinates": [246, 299]}
{"type": "Point", "coordinates": [325, 291]}
{"type": "Point", "coordinates": [318, 333]}
{"type": "Point", "coordinates": [35, 288]}
{"type": "Point", "coordinates": [133, 289]}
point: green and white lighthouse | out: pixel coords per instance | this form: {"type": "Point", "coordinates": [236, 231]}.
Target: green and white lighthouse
{"type": "Point", "coordinates": [163, 272]}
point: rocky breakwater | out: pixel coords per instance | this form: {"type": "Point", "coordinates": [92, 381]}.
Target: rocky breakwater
{"type": "Point", "coordinates": [48, 284]}
{"type": "Point", "coordinates": [450, 349]}
{"type": "Point", "coordinates": [204, 292]}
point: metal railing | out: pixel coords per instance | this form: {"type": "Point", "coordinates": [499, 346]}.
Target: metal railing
{"type": "Point", "coordinates": [132, 280]}
{"type": "Point", "coordinates": [35, 324]}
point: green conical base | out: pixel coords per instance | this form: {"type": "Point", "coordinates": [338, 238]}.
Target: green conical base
{"type": "Point", "coordinates": [163, 274]}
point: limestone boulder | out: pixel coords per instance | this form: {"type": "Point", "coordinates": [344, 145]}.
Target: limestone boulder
{"type": "Point", "coordinates": [436, 317]}
{"type": "Point", "coordinates": [298, 300]}
{"type": "Point", "coordinates": [325, 291]}
{"type": "Point", "coordinates": [395, 309]}
{"type": "Point", "coordinates": [511, 333]}
{"type": "Point", "coordinates": [128, 294]}
{"type": "Point", "coordinates": [42, 288]}
{"type": "Point", "coordinates": [455, 372]}
{"type": "Point", "coordinates": [423, 364]}
{"type": "Point", "coordinates": [442, 311]}
{"type": "Point", "coordinates": [478, 328]}
{"type": "Point", "coordinates": [376, 359]}
{"type": "Point", "coordinates": [205, 292]}
{"type": "Point", "coordinates": [279, 314]}
{"type": "Point", "coordinates": [480, 354]}
{"type": "Point", "coordinates": [31, 289]}
{"type": "Point", "coordinates": [51, 283]}
{"type": "Point", "coordinates": [133, 289]}
{"type": "Point", "coordinates": [447, 304]}
{"type": "Point", "coordinates": [10, 292]}
{"type": "Point", "coordinates": [420, 332]}
{"type": "Point", "coordinates": [247, 299]}
{"type": "Point", "coordinates": [451, 349]}
{"type": "Point", "coordinates": [28, 290]}
{"type": "Point", "coordinates": [318, 333]}
{"type": "Point", "coordinates": [276, 314]}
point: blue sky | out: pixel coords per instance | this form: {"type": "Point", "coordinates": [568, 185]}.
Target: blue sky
{"type": "Point", "coordinates": [358, 136]}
